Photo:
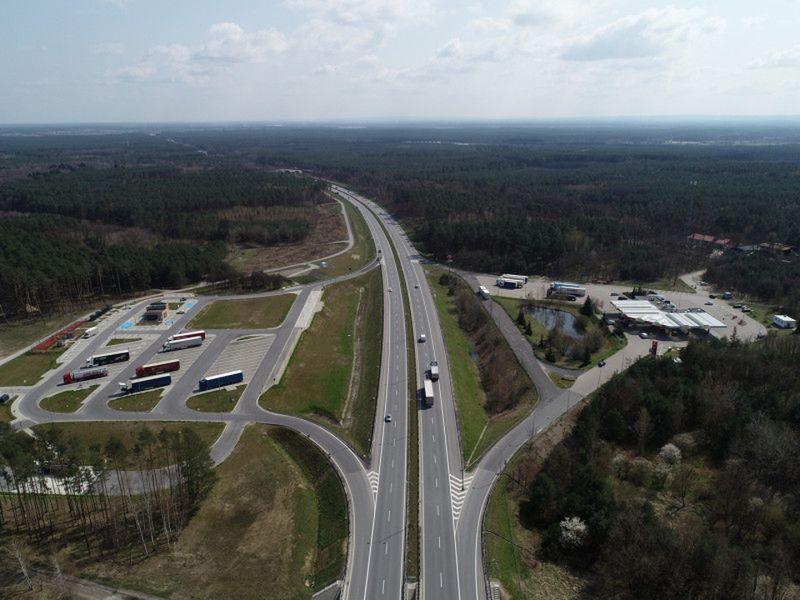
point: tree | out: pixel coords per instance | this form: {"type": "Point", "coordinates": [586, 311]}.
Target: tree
{"type": "Point", "coordinates": [521, 317]}
{"type": "Point", "coordinates": [528, 329]}
{"type": "Point", "coordinates": [588, 307]}
{"type": "Point", "coordinates": [573, 532]}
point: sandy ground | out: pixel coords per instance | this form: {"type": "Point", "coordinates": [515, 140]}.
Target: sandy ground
{"type": "Point", "coordinates": [745, 327]}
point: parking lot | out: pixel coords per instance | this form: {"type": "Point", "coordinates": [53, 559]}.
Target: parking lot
{"type": "Point", "coordinates": [245, 353]}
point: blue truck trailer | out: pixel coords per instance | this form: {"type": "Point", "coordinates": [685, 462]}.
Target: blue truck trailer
{"type": "Point", "coordinates": [221, 380]}
{"type": "Point", "coordinates": [146, 383]}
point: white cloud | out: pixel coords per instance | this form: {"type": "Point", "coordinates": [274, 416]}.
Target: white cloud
{"type": "Point", "coordinates": [229, 44]}
{"type": "Point", "coordinates": [787, 58]}
{"type": "Point", "coordinates": [645, 35]}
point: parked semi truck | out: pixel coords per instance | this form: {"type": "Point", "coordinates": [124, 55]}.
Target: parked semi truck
{"type": "Point", "coordinates": [522, 278]}
{"type": "Point", "coordinates": [108, 358]}
{"type": "Point", "coordinates": [434, 370]}
{"type": "Point", "coordinates": [158, 368]}
{"type": "Point", "coordinates": [187, 334]}
{"type": "Point", "coordinates": [509, 283]}
{"type": "Point", "coordinates": [428, 391]}
{"type": "Point", "coordinates": [189, 342]}
{"type": "Point", "coordinates": [84, 374]}
{"type": "Point", "coordinates": [145, 383]}
{"type": "Point", "coordinates": [565, 291]}
{"type": "Point", "coordinates": [221, 380]}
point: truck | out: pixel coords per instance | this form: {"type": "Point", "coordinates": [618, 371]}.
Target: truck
{"type": "Point", "coordinates": [84, 374]}
{"type": "Point", "coordinates": [90, 332]}
{"type": "Point", "coordinates": [434, 370]}
{"type": "Point", "coordinates": [187, 334]}
{"type": "Point", "coordinates": [108, 358]}
{"type": "Point", "coordinates": [522, 278]}
{"type": "Point", "coordinates": [145, 383]}
{"type": "Point", "coordinates": [565, 291]}
{"type": "Point", "coordinates": [189, 342]}
{"type": "Point", "coordinates": [157, 368]}
{"type": "Point", "coordinates": [483, 291]}
{"type": "Point", "coordinates": [502, 282]}
{"type": "Point", "coordinates": [428, 393]}
{"type": "Point", "coordinates": [221, 380]}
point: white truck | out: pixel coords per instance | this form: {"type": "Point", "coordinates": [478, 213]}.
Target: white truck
{"type": "Point", "coordinates": [434, 370]}
{"type": "Point", "coordinates": [189, 342]}
{"type": "Point", "coordinates": [90, 332]}
{"type": "Point", "coordinates": [428, 390]}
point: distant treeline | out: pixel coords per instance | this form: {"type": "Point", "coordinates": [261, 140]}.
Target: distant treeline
{"type": "Point", "coordinates": [75, 234]}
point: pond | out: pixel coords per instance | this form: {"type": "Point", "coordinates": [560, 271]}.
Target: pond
{"type": "Point", "coordinates": [550, 317]}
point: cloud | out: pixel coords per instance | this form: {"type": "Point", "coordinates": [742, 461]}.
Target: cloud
{"type": "Point", "coordinates": [645, 35]}
{"type": "Point", "coordinates": [229, 44]}
{"type": "Point", "coordinates": [787, 58]}
{"type": "Point", "coordinates": [350, 24]}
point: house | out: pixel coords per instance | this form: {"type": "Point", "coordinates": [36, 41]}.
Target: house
{"type": "Point", "coordinates": [775, 248]}
{"type": "Point", "coordinates": [701, 238]}
{"type": "Point", "coordinates": [784, 322]}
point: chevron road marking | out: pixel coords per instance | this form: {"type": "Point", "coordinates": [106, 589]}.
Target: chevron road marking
{"type": "Point", "coordinates": [457, 494]}
{"type": "Point", "coordinates": [373, 484]}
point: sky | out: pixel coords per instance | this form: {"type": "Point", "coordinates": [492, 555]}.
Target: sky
{"type": "Point", "coordinates": [95, 61]}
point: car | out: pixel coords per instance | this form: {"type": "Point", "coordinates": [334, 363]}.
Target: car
{"type": "Point", "coordinates": [183, 298]}
{"type": "Point", "coordinates": [180, 311]}
{"type": "Point", "coordinates": [712, 296]}
{"type": "Point", "coordinates": [390, 289]}
{"type": "Point", "coordinates": [643, 335]}
{"type": "Point", "coordinates": [416, 286]}
{"type": "Point", "coordinates": [422, 338]}
{"type": "Point", "coordinates": [709, 304]}
{"type": "Point", "coordinates": [602, 363]}
{"type": "Point", "coordinates": [4, 398]}
{"type": "Point", "coordinates": [388, 418]}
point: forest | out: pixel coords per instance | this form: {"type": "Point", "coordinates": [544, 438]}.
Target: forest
{"type": "Point", "coordinates": [74, 233]}
{"type": "Point", "coordinates": [119, 501]}
{"type": "Point", "coordinates": [680, 480]}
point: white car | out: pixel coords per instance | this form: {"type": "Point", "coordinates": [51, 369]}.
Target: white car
{"type": "Point", "coordinates": [422, 338]}
{"type": "Point", "coordinates": [180, 311]}
{"type": "Point", "coordinates": [643, 335]}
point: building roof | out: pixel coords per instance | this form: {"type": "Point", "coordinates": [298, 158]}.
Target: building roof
{"type": "Point", "coordinates": [646, 312]}
{"type": "Point", "coordinates": [701, 237]}
{"type": "Point", "coordinates": [785, 318]}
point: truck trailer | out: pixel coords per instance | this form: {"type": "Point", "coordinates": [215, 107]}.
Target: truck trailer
{"type": "Point", "coordinates": [221, 380]}
{"type": "Point", "coordinates": [513, 284]}
{"type": "Point", "coordinates": [145, 383]}
{"type": "Point", "coordinates": [428, 391]}
{"type": "Point", "coordinates": [187, 334]}
{"type": "Point", "coordinates": [84, 374]}
{"type": "Point", "coordinates": [108, 358]}
{"type": "Point", "coordinates": [158, 368]}
{"type": "Point", "coordinates": [189, 342]}
{"type": "Point", "coordinates": [522, 278]}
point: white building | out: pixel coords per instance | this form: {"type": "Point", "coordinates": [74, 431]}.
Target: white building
{"type": "Point", "coordinates": [784, 322]}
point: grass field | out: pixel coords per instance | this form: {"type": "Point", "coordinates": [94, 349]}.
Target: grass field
{"type": "Point", "coordinates": [5, 410]}
{"type": "Point", "coordinates": [141, 402]}
{"type": "Point", "coordinates": [28, 368]}
{"type": "Point", "coordinates": [324, 381]}
{"type": "Point", "coordinates": [120, 341]}
{"type": "Point", "coordinates": [68, 401]}
{"type": "Point", "coordinates": [665, 284]}
{"type": "Point", "coordinates": [253, 313]}
{"type": "Point", "coordinates": [216, 401]}
{"type": "Point", "coordinates": [126, 431]}
{"type": "Point", "coordinates": [19, 334]}
{"type": "Point", "coordinates": [274, 525]}
{"type": "Point", "coordinates": [360, 254]}
{"type": "Point", "coordinates": [611, 344]}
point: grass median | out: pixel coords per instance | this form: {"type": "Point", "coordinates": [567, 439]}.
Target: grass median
{"type": "Point", "coordinates": [360, 254]}
{"type": "Point", "coordinates": [216, 401]}
{"type": "Point", "coordinates": [68, 401]}
{"type": "Point", "coordinates": [333, 374]}
{"type": "Point", "coordinates": [491, 390]}
{"type": "Point", "coordinates": [121, 341]}
{"type": "Point", "coordinates": [274, 525]}
{"type": "Point", "coordinates": [141, 402]}
{"type": "Point", "coordinates": [5, 410]}
{"type": "Point", "coordinates": [252, 313]}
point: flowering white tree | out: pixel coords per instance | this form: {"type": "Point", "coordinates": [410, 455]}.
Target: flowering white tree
{"type": "Point", "coordinates": [573, 532]}
{"type": "Point", "coordinates": [670, 453]}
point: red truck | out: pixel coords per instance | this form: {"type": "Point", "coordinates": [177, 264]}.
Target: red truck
{"type": "Point", "coordinates": [84, 374]}
{"type": "Point", "coordinates": [158, 368]}
{"type": "Point", "coordinates": [187, 334]}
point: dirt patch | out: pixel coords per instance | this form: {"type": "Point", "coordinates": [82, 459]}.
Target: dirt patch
{"type": "Point", "coordinates": [328, 235]}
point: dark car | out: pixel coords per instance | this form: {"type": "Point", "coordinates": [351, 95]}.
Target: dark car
{"type": "Point", "coordinates": [602, 363]}
{"type": "Point", "coordinates": [4, 398]}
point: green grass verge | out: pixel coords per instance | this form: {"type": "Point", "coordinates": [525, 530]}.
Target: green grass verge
{"type": "Point", "coordinates": [28, 368]}
{"type": "Point", "coordinates": [99, 432]}
{"type": "Point", "coordinates": [252, 313]}
{"type": "Point", "coordinates": [317, 383]}
{"type": "Point", "coordinates": [141, 402]}
{"type": "Point", "coordinates": [664, 284]}
{"type": "Point", "coordinates": [362, 252]}
{"type": "Point", "coordinates": [221, 400]}
{"type": "Point", "coordinates": [5, 410]}
{"type": "Point", "coordinates": [68, 401]}
{"type": "Point", "coordinates": [120, 341]}
{"type": "Point", "coordinates": [611, 344]}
